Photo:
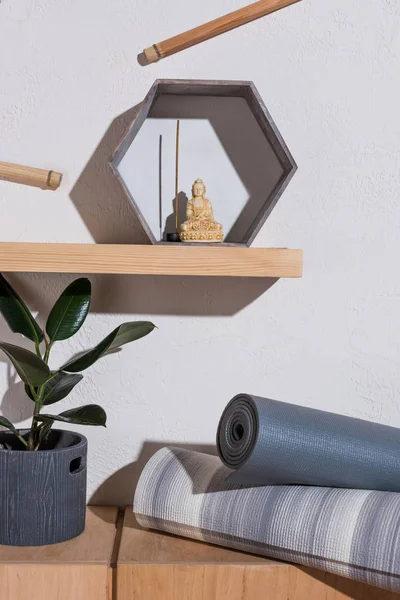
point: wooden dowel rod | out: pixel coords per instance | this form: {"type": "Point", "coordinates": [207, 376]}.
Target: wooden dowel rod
{"type": "Point", "coordinates": [212, 29]}
{"type": "Point", "coordinates": [46, 180]}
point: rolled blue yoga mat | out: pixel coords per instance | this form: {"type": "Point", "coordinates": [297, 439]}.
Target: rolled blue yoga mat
{"type": "Point", "coordinates": [267, 442]}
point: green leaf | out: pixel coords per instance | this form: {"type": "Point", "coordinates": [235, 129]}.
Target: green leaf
{"type": "Point", "coordinates": [125, 333]}
{"type": "Point", "coordinates": [57, 388]}
{"type": "Point", "coordinates": [91, 414]}
{"type": "Point", "coordinates": [17, 314]}
{"type": "Point", "coordinates": [6, 423]}
{"type": "Point", "coordinates": [32, 369]}
{"type": "Point", "coordinates": [70, 311]}
{"type": "Point", "coordinates": [129, 332]}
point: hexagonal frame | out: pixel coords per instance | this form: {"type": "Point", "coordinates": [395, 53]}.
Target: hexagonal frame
{"type": "Point", "coordinates": [241, 89]}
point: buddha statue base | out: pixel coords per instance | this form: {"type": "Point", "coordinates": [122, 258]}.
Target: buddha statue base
{"type": "Point", "coordinates": [202, 232]}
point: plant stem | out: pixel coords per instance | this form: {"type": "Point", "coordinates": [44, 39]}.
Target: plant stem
{"type": "Point", "coordinates": [38, 439]}
{"type": "Point", "coordinates": [33, 428]}
{"type": "Point", "coordinates": [32, 389]}
{"type": "Point", "coordinates": [47, 351]}
{"type": "Point", "coordinates": [51, 378]}
{"type": "Point", "coordinates": [33, 441]}
{"type": "Point", "coordinates": [31, 438]}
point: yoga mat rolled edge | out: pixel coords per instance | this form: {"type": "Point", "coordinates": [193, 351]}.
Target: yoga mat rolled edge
{"type": "Point", "coordinates": [267, 442]}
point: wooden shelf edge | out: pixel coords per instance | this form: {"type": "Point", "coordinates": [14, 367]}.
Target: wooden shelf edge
{"type": "Point", "coordinates": [150, 260]}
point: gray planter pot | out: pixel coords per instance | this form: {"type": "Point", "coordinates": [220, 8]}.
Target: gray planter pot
{"type": "Point", "coordinates": [43, 493]}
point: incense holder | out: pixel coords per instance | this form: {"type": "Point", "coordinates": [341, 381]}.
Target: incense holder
{"type": "Point", "coordinates": [173, 237]}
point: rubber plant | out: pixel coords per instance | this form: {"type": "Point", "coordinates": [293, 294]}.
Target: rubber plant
{"type": "Point", "coordinates": [43, 385]}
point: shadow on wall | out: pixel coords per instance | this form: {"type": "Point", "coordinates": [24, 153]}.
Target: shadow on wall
{"type": "Point", "coordinates": [167, 295]}
{"type": "Point", "coordinates": [170, 222]}
{"type": "Point", "coordinates": [99, 197]}
{"type": "Point", "coordinates": [146, 294]}
{"type": "Point", "coordinates": [15, 404]}
{"type": "Point", "coordinates": [120, 487]}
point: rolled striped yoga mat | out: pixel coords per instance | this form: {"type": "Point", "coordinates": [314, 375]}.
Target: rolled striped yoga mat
{"type": "Point", "coordinates": [353, 533]}
{"type": "Point", "coordinates": [268, 442]}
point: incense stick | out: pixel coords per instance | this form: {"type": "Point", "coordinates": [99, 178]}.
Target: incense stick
{"type": "Point", "coordinates": [160, 183]}
{"type": "Point", "coordinates": [177, 177]}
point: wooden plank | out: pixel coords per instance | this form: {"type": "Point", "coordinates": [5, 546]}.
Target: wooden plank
{"type": "Point", "coordinates": [200, 582]}
{"type": "Point", "coordinates": [62, 582]}
{"type": "Point", "coordinates": [150, 260]}
{"type": "Point", "coordinates": [78, 569]}
{"type": "Point", "coordinates": [158, 565]}
{"type": "Point", "coordinates": [93, 546]}
{"type": "Point", "coordinates": [310, 584]}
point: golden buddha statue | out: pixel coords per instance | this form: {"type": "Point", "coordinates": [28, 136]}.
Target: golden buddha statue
{"type": "Point", "coordinates": [200, 225]}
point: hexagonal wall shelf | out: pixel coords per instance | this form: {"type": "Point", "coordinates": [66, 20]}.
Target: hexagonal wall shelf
{"type": "Point", "coordinates": [228, 138]}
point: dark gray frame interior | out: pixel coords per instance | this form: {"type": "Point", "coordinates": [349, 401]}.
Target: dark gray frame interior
{"type": "Point", "coordinates": [241, 89]}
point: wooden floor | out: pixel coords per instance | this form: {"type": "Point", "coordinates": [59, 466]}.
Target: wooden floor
{"type": "Point", "coordinates": [115, 559]}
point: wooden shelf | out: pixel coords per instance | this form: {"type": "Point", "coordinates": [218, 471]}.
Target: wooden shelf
{"type": "Point", "coordinates": [150, 260]}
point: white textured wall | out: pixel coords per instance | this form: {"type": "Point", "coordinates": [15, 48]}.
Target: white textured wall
{"type": "Point", "coordinates": [329, 73]}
